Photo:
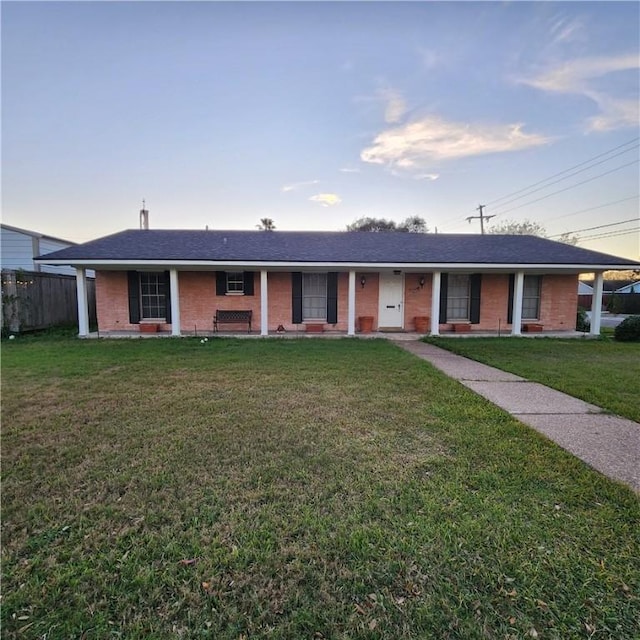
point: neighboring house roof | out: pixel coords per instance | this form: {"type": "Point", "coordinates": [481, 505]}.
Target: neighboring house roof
{"type": "Point", "coordinates": [182, 247]}
{"type": "Point", "coordinates": [584, 289]}
{"type": "Point", "coordinates": [632, 287]}
{"type": "Point", "coordinates": [36, 234]}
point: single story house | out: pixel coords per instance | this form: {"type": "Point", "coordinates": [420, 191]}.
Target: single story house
{"type": "Point", "coordinates": [334, 281]}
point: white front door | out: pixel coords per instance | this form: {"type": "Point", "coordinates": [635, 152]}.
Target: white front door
{"type": "Point", "coordinates": [390, 312]}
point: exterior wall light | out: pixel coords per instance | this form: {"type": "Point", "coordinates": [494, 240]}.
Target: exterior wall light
{"type": "Point", "coordinates": [421, 281]}
{"type": "Point", "coordinates": [363, 281]}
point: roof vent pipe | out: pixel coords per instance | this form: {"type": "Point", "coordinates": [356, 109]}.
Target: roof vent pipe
{"type": "Point", "coordinates": [144, 217]}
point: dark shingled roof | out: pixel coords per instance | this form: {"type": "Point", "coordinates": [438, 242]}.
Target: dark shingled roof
{"type": "Point", "coordinates": [159, 245]}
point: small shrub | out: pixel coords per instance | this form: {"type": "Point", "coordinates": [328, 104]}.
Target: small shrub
{"type": "Point", "coordinates": [582, 320]}
{"type": "Point", "coordinates": [628, 330]}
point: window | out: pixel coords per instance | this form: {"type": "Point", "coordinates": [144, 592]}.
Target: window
{"type": "Point", "coordinates": [152, 295]}
{"type": "Point", "coordinates": [235, 282]}
{"type": "Point", "coordinates": [314, 296]}
{"type": "Point", "coordinates": [531, 298]}
{"type": "Point", "coordinates": [458, 297]}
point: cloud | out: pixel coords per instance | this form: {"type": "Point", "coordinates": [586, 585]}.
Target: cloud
{"type": "Point", "coordinates": [614, 113]}
{"type": "Point", "coordinates": [297, 185]}
{"type": "Point", "coordinates": [574, 76]}
{"type": "Point", "coordinates": [429, 58]}
{"type": "Point", "coordinates": [565, 30]}
{"type": "Point", "coordinates": [395, 107]}
{"type": "Point", "coordinates": [350, 170]}
{"type": "Point", "coordinates": [417, 145]}
{"type": "Point", "coordinates": [326, 199]}
{"type": "Point", "coordinates": [579, 77]}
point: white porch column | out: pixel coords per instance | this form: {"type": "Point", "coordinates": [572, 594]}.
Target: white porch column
{"type": "Point", "coordinates": [596, 305]}
{"type": "Point", "coordinates": [351, 305]}
{"type": "Point", "coordinates": [516, 313]}
{"type": "Point", "coordinates": [175, 302]}
{"type": "Point", "coordinates": [264, 304]}
{"type": "Point", "coordinates": [83, 303]}
{"type": "Point", "coordinates": [435, 303]}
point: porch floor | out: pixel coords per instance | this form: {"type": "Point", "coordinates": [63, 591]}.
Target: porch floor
{"type": "Point", "coordinates": [388, 335]}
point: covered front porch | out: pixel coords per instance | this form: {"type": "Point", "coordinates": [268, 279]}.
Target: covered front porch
{"type": "Point", "coordinates": [358, 294]}
{"type": "Point", "coordinates": [355, 294]}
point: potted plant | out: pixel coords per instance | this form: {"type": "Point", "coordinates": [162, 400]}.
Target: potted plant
{"type": "Point", "coordinates": [366, 324]}
{"type": "Point", "coordinates": [422, 324]}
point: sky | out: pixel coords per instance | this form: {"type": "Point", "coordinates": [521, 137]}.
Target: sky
{"type": "Point", "coordinates": [315, 114]}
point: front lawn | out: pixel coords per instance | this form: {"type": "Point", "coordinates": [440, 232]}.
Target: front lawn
{"type": "Point", "coordinates": [293, 489]}
{"type": "Point", "coordinates": [603, 372]}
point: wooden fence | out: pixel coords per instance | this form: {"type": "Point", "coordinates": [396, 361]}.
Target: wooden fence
{"type": "Point", "coordinates": [627, 303]}
{"type": "Point", "coordinates": [33, 300]}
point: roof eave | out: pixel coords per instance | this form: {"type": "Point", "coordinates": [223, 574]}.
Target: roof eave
{"type": "Point", "coordinates": [365, 266]}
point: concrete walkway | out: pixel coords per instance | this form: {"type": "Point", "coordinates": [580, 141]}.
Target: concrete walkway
{"type": "Point", "coordinates": [607, 443]}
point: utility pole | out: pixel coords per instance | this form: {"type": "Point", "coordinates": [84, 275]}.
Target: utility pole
{"type": "Point", "coordinates": [481, 217]}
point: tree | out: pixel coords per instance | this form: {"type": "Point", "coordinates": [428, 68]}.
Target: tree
{"type": "Point", "coordinates": [528, 228]}
{"type": "Point", "coordinates": [513, 228]}
{"type": "Point", "coordinates": [412, 224]}
{"type": "Point", "coordinates": [266, 224]}
{"type": "Point", "coordinates": [372, 224]}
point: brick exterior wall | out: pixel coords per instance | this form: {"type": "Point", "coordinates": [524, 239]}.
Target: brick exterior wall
{"type": "Point", "coordinates": [198, 301]}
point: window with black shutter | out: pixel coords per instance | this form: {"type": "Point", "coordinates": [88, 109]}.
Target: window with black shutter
{"type": "Point", "coordinates": [234, 283]}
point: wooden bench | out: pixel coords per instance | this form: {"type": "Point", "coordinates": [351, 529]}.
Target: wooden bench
{"type": "Point", "coordinates": [226, 316]}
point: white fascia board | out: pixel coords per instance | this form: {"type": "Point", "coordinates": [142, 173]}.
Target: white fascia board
{"type": "Point", "coordinates": [363, 266]}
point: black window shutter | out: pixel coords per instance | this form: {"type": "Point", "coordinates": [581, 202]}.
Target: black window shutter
{"type": "Point", "coordinates": [512, 283]}
{"type": "Point", "coordinates": [332, 297]}
{"type": "Point", "coordinates": [475, 281]}
{"type": "Point", "coordinates": [248, 283]}
{"type": "Point", "coordinates": [296, 297]}
{"type": "Point", "coordinates": [444, 281]}
{"type": "Point", "coordinates": [134, 297]}
{"type": "Point", "coordinates": [221, 283]}
{"type": "Point", "coordinates": [167, 297]}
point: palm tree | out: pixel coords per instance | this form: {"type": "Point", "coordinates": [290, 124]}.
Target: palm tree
{"type": "Point", "coordinates": [266, 224]}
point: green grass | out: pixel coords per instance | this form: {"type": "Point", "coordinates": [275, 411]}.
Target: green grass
{"type": "Point", "coordinates": [293, 489]}
{"type": "Point", "coordinates": [603, 372]}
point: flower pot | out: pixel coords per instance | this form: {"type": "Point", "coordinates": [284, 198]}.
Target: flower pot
{"type": "Point", "coordinates": [148, 327]}
{"type": "Point", "coordinates": [314, 328]}
{"type": "Point", "coordinates": [366, 324]}
{"type": "Point", "coordinates": [422, 324]}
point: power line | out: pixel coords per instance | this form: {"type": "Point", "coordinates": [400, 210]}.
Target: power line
{"type": "Point", "coordinates": [601, 226]}
{"type": "Point", "coordinates": [570, 175]}
{"type": "Point", "coordinates": [581, 164]}
{"type": "Point", "coordinates": [600, 206]}
{"type": "Point", "coordinates": [572, 186]}
{"type": "Point", "coordinates": [565, 215]}
{"type": "Point", "coordinates": [535, 184]}
{"type": "Point", "coordinates": [614, 234]}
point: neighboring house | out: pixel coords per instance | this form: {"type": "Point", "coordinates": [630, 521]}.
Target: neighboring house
{"type": "Point", "coordinates": [329, 280]}
{"type": "Point", "coordinates": [19, 247]}
{"type": "Point", "coordinates": [584, 289]}
{"type": "Point", "coordinates": [36, 296]}
{"type": "Point", "coordinates": [633, 287]}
